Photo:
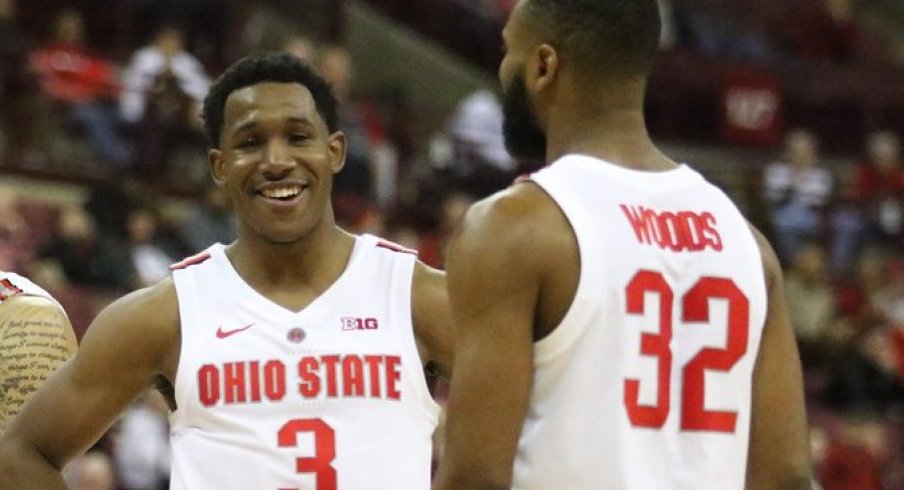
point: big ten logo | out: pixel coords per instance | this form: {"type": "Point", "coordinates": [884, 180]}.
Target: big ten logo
{"type": "Point", "coordinates": [355, 323]}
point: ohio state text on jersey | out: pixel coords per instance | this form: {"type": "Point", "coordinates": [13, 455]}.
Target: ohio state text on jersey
{"type": "Point", "coordinates": [646, 383]}
{"type": "Point", "coordinates": [273, 399]}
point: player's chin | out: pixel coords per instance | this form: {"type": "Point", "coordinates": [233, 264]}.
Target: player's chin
{"type": "Point", "coordinates": [287, 230]}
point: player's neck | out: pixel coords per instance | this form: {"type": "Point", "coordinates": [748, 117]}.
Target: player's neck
{"type": "Point", "coordinates": [316, 260]}
{"type": "Point", "coordinates": [618, 136]}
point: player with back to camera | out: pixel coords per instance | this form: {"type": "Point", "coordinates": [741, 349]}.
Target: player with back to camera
{"type": "Point", "coordinates": [619, 325]}
{"type": "Point", "coordinates": [291, 358]}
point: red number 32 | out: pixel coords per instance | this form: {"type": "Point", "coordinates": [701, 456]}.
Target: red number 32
{"type": "Point", "coordinates": [694, 309]}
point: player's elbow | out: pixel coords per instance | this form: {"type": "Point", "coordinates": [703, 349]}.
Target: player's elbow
{"type": "Point", "coordinates": [17, 463]}
{"type": "Point", "coordinates": [10, 469]}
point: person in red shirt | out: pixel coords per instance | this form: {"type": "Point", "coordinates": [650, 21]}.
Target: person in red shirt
{"type": "Point", "coordinates": [879, 188]}
{"type": "Point", "coordinates": [82, 84]}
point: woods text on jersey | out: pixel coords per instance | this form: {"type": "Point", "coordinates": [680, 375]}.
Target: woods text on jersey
{"type": "Point", "coordinates": [678, 231]}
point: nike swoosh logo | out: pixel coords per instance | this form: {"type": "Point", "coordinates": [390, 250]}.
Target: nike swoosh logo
{"type": "Point", "coordinates": [222, 334]}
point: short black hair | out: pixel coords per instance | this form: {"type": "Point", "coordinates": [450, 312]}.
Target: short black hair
{"type": "Point", "coordinates": [615, 38]}
{"type": "Point", "coordinates": [267, 67]}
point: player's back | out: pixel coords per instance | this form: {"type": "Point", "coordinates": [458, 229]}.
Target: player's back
{"type": "Point", "coordinates": [646, 383]}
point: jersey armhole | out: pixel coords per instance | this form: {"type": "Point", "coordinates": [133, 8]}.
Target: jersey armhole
{"type": "Point", "coordinates": [572, 325]}
{"type": "Point", "coordinates": [408, 344]}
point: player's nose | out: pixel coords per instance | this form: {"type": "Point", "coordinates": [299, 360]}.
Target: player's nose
{"type": "Point", "coordinates": [277, 158]}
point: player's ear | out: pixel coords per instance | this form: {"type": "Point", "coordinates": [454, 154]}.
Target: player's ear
{"type": "Point", "coordinates": [216, 164]}
{"type": "Point", "coordinates": [546, 67]}
{"type": "Point", "coordinates": [336, 144]}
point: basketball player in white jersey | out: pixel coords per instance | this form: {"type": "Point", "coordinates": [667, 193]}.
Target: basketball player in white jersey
{"type": "Point", "coordinates": [292, 358]}
{"type": "Point", "coordinates": [619, 325]}
{"type": "Point", "coordinates": [35, 339]}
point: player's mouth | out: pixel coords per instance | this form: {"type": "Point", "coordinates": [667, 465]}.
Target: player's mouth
{"type": "Point", "coordinates": [281, 195]}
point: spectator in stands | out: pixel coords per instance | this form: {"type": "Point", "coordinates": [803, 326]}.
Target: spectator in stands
{"type": "Point", "coordinates": [668, 37]}
{"type": "Point", "coordinates": [797, 192]}
{"type": "Point", "coordinates": [356, 178]}
{"type": "Point", "coordinates": [302, 47]}
{"type": "Point", "coordinates": [811, 302]}
{"type": "Point", "coordinates": [209, 222]}
{"type": "Point", "coordinates": [848, 231]}
{"type": "Point", "coordinates": [12, 48]}
{"type": "Point", "coordinates": [358, 215]}
{"type": "Point", "coordinates": [856, 295]}
{"type": "Point", "coordinates": [716, 28]}
{"type": "Point", "coordinates": [141, 453]}
{"type": "Point", "coordinates": [150, 260]}
{"type": "Point", "coordinates": [889, 300]}
{"type": "Point", "coordinates": [828, 34]}
{"type": "Point", "coordinates": [432, 245]}
{"type": "Point", "coordinates": [91, 471]}
{"type": "Point", "coordinates": [504, 8]}
{"type": "Point", "coordinates": [164, 87]}
{"type": "Point", "coordinates": [866, 376]}
{"type": "Point", "coordinates": [86, 257]}
{"type": "Point", "coordinates": [15, 88]}
{"type": "Point", "coordinates": [480, 159]}
{"type": "Point", "coordinates": [266, 27]}
{"type": "Point", "coordinates": [83, 85]}
{"type": "Point", "coordinates": [855, 456]}
{"type": "Point", "coordinates": [879, 189]}
{"type": "Point", "coordinates": [13, 234]}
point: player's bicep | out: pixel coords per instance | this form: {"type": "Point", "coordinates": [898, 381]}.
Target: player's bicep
{"type": "Point", "coordinates": [493, 295]}
{"type": "Point", "coordinates": [117, 361]}
{"type": "Point", "coordinates": [779, 454]}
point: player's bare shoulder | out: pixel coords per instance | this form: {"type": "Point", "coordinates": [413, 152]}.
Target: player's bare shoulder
{"type": "Point", "coordinates": [144, 323]}
{"type": "Point", "coordinates": [519, 239]}
{"type": "Point", "coordinates": [523, 219]}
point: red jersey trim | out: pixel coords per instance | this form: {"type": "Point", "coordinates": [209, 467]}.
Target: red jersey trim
{"type": "Point", "coordinates": [521, 178]}
{"type": "Point", "coordinates": [7, 289]}
{"type": "Point", "coordinates": [190, 261]}
{"type": "Point", "coordinates": [395, 247]}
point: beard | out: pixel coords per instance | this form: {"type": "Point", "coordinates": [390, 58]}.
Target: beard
{"type": "Point", "coordinates": [524, 138]}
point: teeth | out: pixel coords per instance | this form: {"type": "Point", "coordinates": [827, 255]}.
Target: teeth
{"type": "Point", "coordinates": [281, 192]}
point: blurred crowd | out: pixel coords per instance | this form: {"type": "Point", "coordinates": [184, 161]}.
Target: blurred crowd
{"type": "Point", "coordinates": [839, 31]}
{"type": "Point", "coordinates": [840, 234]}
{"type": "Point", "coordinates": [126, 127]}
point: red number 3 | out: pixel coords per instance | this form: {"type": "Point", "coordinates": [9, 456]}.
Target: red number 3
{"type": "Point", "coordinates": [694, 309]}
{"type": "Point", "coordinates": [324, 449]}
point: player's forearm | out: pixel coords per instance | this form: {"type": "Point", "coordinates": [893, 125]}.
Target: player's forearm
{"type": "Point", "coordinates": [22, 468]}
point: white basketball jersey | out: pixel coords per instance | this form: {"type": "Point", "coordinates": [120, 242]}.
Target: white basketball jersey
{"type": "Point", "coordinates": [331, 397]}
{"type": "Point", "coordinates": [12, 284]}
{"type": "Point", "coordinates": [646, 383]}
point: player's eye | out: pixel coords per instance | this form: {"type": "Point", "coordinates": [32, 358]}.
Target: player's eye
{"type": "Point", "coordinates": [247, 143]}
{"type": "Point", "coordinates": [297, 138]}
